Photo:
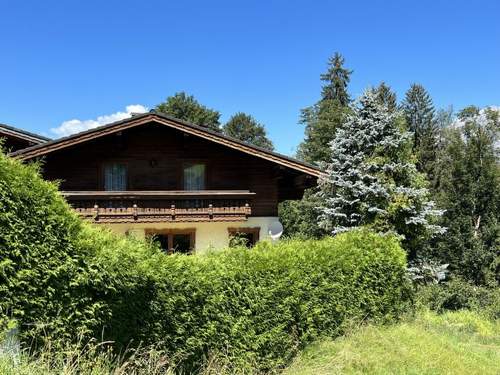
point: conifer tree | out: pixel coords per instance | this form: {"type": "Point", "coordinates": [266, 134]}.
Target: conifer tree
{"type": "Point", "coordinates": [372, 179]}
{"type": "Point", "coordinates": [419, 113]}
{"type": "Point", "coordinates": [386, 96]}
{"type": "Point", "coordinates": [321, 122]}
{"type": "Point", "coordinates": [323, 118]}
{"type": "Point", "coordinates": [337, 78]}
{"type": "Point", "coordinates": [245, 128]}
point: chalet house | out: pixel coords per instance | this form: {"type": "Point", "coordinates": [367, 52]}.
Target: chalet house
{"type": "Point", "coordinates": [190, 187]}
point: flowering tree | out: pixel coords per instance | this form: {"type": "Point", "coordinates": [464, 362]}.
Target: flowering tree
{"type": "Point", "coordinates": [371, 179]}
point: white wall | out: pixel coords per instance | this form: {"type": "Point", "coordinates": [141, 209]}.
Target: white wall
{"type": "Point", "coordinates": [208, 234]}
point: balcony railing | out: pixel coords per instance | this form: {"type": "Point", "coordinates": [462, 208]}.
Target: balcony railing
{"type": "Point", "coordinates": [161, 206]}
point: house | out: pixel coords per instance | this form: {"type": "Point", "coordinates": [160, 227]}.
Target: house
{"type": "Point", "coordinates": [190, 187]}
{"type": "Point", "coordinates": [16, 139]}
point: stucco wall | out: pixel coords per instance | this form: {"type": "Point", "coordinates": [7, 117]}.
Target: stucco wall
{"type": "Point", "coordinates": [208, 234]}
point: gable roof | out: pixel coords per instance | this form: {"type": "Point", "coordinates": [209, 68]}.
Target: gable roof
{"type": "Point", "coordinates": [22, 134]}
{"type": "Point", "coordinates": [163, 119]}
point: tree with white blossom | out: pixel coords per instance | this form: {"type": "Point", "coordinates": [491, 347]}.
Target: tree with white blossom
{"type": "Point", "coordinates": [371, 179]}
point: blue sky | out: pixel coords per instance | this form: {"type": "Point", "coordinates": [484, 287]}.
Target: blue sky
{"type": "Point", "coordinates": [83, 59]}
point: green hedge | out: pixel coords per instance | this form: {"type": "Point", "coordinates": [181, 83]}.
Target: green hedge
{"type": "Point", "coordinates": [255, 307]}
{"type": "Point", "coordinates": [39, 264]}
{"type": "Point", "coordinates": [261, 306]}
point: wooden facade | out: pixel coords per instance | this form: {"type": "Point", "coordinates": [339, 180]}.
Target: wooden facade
{"type": "Point", "coordinates": [241, 180]}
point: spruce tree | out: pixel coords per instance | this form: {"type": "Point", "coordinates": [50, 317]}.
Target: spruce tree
{"type": "Point", "coordinates": [245, 128]}
{"type": "Point", "coordinates": [185, 107]}
{"type": "Point", "coordinates": [386, 96]}
{"type": "Point", "coordinates": [321, 122]}
{"type": "Point", "coordinates": [337, 78]}
{"type": "Point", "coordinates": [419, 113]}
{"type": "Point", "coordinates": [323, 118]}
{"type": "Point", "coordinates": [372, 180]}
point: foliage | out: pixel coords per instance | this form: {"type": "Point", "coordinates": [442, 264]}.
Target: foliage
{"type": "Point", "coordinates": [337, 78]}
{"type": "Point", "coordinates": [427, 271]}
{"type": "Point", "coordinates": [63, 279]}
{"type": "Point", "coordinates": [386, 97]}
{"type": "Point", "coordinates": [261, 306]}
{"type": "Point", "coordinates": [321, 122]}
{"type": "Point", "coordinates": [460, 342]}
{"type": "Point", "coordinates": [458, 294]}
{"type": "Point", "coordinates": [452, 343]}
{"type": "Point", "coordinates": [299, 217]}
{"type": "Point", "coordinates": [40, 265]}
{"type": "Point", "coordinates": [185, 107]}
{"type": "Point", "coordinates": [419, 113]}
{"type": "Point", "coordinates": [372, 179]}
{"type": "Point", "coordinates": [322, 119]}
{"type": "Point", "coordinates": [469, 189]}
{"type": "Point", "coordinates": [245, 128]}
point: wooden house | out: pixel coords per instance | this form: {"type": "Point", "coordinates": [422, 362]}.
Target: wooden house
{"type": "Point", "coordinates": [190, 187]}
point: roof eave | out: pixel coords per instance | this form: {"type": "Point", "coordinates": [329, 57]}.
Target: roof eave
{"type": "Point", "coordinates": [50, 146]}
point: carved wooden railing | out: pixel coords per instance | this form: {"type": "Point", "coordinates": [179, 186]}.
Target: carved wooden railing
{"type": "Point", "coordinates": [161, 206]}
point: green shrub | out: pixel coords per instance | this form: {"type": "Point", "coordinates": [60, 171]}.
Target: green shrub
{"type": "Point", "coordinates": [40, 266]}
{"type": "Point", "coordinates": [257, 306]}
{"type": "Point", "coordinates": [261, 306]}
{"type": "Point", "coordinates": [458, 294]}
{"type": "Point", "coordinates": [61, 278]}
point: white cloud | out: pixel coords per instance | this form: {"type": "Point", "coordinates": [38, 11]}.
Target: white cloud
{"type": "Point", "coordinates": [74, 126]}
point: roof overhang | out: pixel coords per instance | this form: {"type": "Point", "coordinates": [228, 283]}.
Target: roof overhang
{"type": "Point", "coordinates": [6, 130]}
{"type": "Point", "coordinates": [162, 119]}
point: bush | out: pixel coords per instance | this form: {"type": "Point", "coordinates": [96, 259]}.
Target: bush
{"type": "Point", "coordinates": [458, 294]}
{"type": "Point", "coordinates": [255, 307]}
{"type": "Point", "coordinates": [261, 306]}
{"type": "Point", "coordinates": [40, 266]}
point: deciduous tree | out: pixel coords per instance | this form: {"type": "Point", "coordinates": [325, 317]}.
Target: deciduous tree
{"type": "Point", "coordinates": [185, 107]}
{"type": "Point", "coordinates": [244, 127]}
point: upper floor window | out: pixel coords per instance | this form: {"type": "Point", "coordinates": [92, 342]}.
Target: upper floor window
{"type": "Point", "coordinates": [115, 177]}
{"type": "Point", "coordinates": [194, 176]}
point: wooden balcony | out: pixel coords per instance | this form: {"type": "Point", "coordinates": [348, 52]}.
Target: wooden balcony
{"type": "Point", "coordinates": [161, 206]}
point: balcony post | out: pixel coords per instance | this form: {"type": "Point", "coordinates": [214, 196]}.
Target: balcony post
{"type": "Point", "coordinates": [135, 211]}
{"type": "Point", "coordinates": [96, 212]}
{"type": "Point", "coordinates": [172, 212]}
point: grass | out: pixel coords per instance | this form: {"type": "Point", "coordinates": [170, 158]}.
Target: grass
{"type": "Point", "coordinates": [460, 342]}
{"type": "Point", "coordinates": [452, 343]}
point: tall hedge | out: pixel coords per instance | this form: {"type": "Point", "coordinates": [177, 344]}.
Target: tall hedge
{"type": "Point", "coordinates": [56, 275]}
{"type": "Point", "coordinates": [263, 305]}
{"type": "Point", "coordinates": [256, 306]}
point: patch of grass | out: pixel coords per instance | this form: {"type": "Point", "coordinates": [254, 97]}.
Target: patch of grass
{"type": "Point", "coordinates": [459, 342]}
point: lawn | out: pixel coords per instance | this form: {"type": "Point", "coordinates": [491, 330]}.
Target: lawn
{"type": "Point", "coordinates": [452, 343]}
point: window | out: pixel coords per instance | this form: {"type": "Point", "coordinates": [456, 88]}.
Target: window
{"type": "Point", "coordinates": [194, 176]}
{"type": "Point", "coordinates": [115, 177]}
{"type": "Point", "coordinates": [243, 236]}
{"type": "Point", "coordinates": [174, 240]}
